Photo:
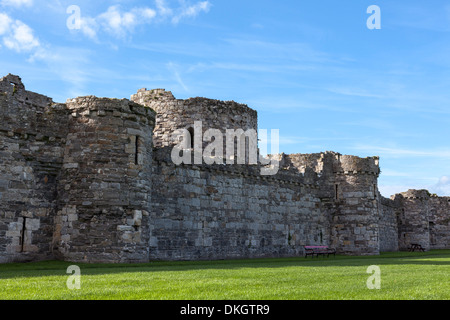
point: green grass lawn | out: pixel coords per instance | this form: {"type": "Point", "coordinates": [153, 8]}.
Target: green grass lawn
{"type": "Point", "coordinates": [403, 276]}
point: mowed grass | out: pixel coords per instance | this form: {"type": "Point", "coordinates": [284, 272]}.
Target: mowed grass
{"type": "Point", "coordinates": [403, 276]}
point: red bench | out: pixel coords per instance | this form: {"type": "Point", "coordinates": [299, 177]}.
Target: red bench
{"type": "Point", "coordinates": [319, 250]}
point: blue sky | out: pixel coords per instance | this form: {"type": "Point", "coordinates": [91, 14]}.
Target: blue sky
{"type": "Point", "coordinates": [312, 69]}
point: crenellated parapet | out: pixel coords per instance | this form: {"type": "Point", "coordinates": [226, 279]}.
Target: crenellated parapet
{"type": "Point", "coordinates": [413, 194]}
{"type": "Point", "coordinates": [353, 165]}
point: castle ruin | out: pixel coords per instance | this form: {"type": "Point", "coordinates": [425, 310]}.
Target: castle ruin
{"type": "Point", "coordinates": [91, 180]}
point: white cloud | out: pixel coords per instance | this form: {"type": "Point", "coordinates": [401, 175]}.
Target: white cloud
{"type": "Point", "coordinates": [116, 22]}
{"type": "Point", "coordinates": [89, 27]}
{"type": "Point", "coordinates": [121, 23]}
{"type": "Point", "coordinates": [191, 11]}
{"type": "Point", "coordinates": [5, 23]}
{"type": "Point", "coordinates": [163, 10]}
{"type": "Point", "coordinates": [21, 38]}
{"type": "Point", "coordinates": [147, 13]}
{"type": "Point", "coordinates": [442, 188]}
{"type": "Point", "coordinates": [17, 3]}
{"type": "Point", "coordinates": [17, 35]}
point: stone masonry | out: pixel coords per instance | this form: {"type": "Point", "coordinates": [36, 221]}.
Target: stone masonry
{"type": "Point", "coordinates": [92, 180]}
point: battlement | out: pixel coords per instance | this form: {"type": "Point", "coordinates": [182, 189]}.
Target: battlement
{"type": "Point", "coordinates": [194, 105]}
{"type": "Point", "coordinates": [99, 107]}
{"type": "Point", "coordinates": [11, 83]}
{"type": "Point", "coordinates": [11, 86]}
{"type": "Point", "coordinates": [218, 106]}
{"type": "Point", "coordinates": [351, 165]}
{"type": "Point", "coordinates": [415, 194]}
{"type": "Point", "coordinates": [301, 163]}
{"type": "Point", "coordinates": [149, 97]}
{"type": "Point", "coordinates": [340, 164]}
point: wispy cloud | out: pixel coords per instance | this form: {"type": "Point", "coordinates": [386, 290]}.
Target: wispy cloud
{"type": "Point", "coordinates": [401, 152]}
{"type": "Point", "coordinates": [357, 92]}
{"type": "Point", "coordinates": [442, 187]}
{"type": "Point", "coordinates": [270, 50]}
{"type": "Point", "coordinates": [174, 69]}
{"type": "Point", "coordinates": [163, 9]}
{"type": "Point", "coordinates": [16, 3]}
{"type": "Point", "coordinates": [121, 23]}
{"type": "Point", "coordinates": [116, 22]}
{"type": "Point", "coordinates": [191, 11]}
{"type": "Point", "coordinates": [68, 64]}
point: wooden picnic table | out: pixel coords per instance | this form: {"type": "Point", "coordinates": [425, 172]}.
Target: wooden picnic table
{"type": "Point", "coordinates": [416, 246]}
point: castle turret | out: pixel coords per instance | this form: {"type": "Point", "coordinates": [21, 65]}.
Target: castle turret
{"type": "Point", "coordinates": [413, 219]}
{"type": "Point", "coordinates": [173, 114]}
{"type": "Point", "coordinates": [355, 222]}
{"type": "Point", "coordinates": [105, 182]}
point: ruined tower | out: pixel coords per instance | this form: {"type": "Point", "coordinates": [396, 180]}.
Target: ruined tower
{"type": "Point", "coordinates": [355, 221]}
{"type": "Point", "coordinates": [413, 219]}
{"type": "Point", "coordinates": [104, 188]}
{"type": "Point", "coordinates": [173, 114]}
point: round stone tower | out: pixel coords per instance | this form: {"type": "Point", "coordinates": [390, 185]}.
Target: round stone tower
{"type": "Point", "coordinates": [173, 114]}
{"type": "Point", "coordinates": [105, 183]}
{"type": "Point", "coordinates": [355, 223]}
{"type": "Point", "coordinates": [413, 220]}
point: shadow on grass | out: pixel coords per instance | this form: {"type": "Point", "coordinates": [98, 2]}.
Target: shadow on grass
{"type": "Point", "coordinates": [58, 268]}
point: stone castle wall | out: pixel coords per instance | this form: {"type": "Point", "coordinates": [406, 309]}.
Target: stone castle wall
{"type": "Point", "coordinates": [220, 212]}
{"type": "Point", "coordinates": [75, 178]}
{"type": "Point", "coordinates": [93, 180]}
{"type": "Point", "coordinates": [33, 130]}
{"type": "Point", "coordinates": [388, 211]}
